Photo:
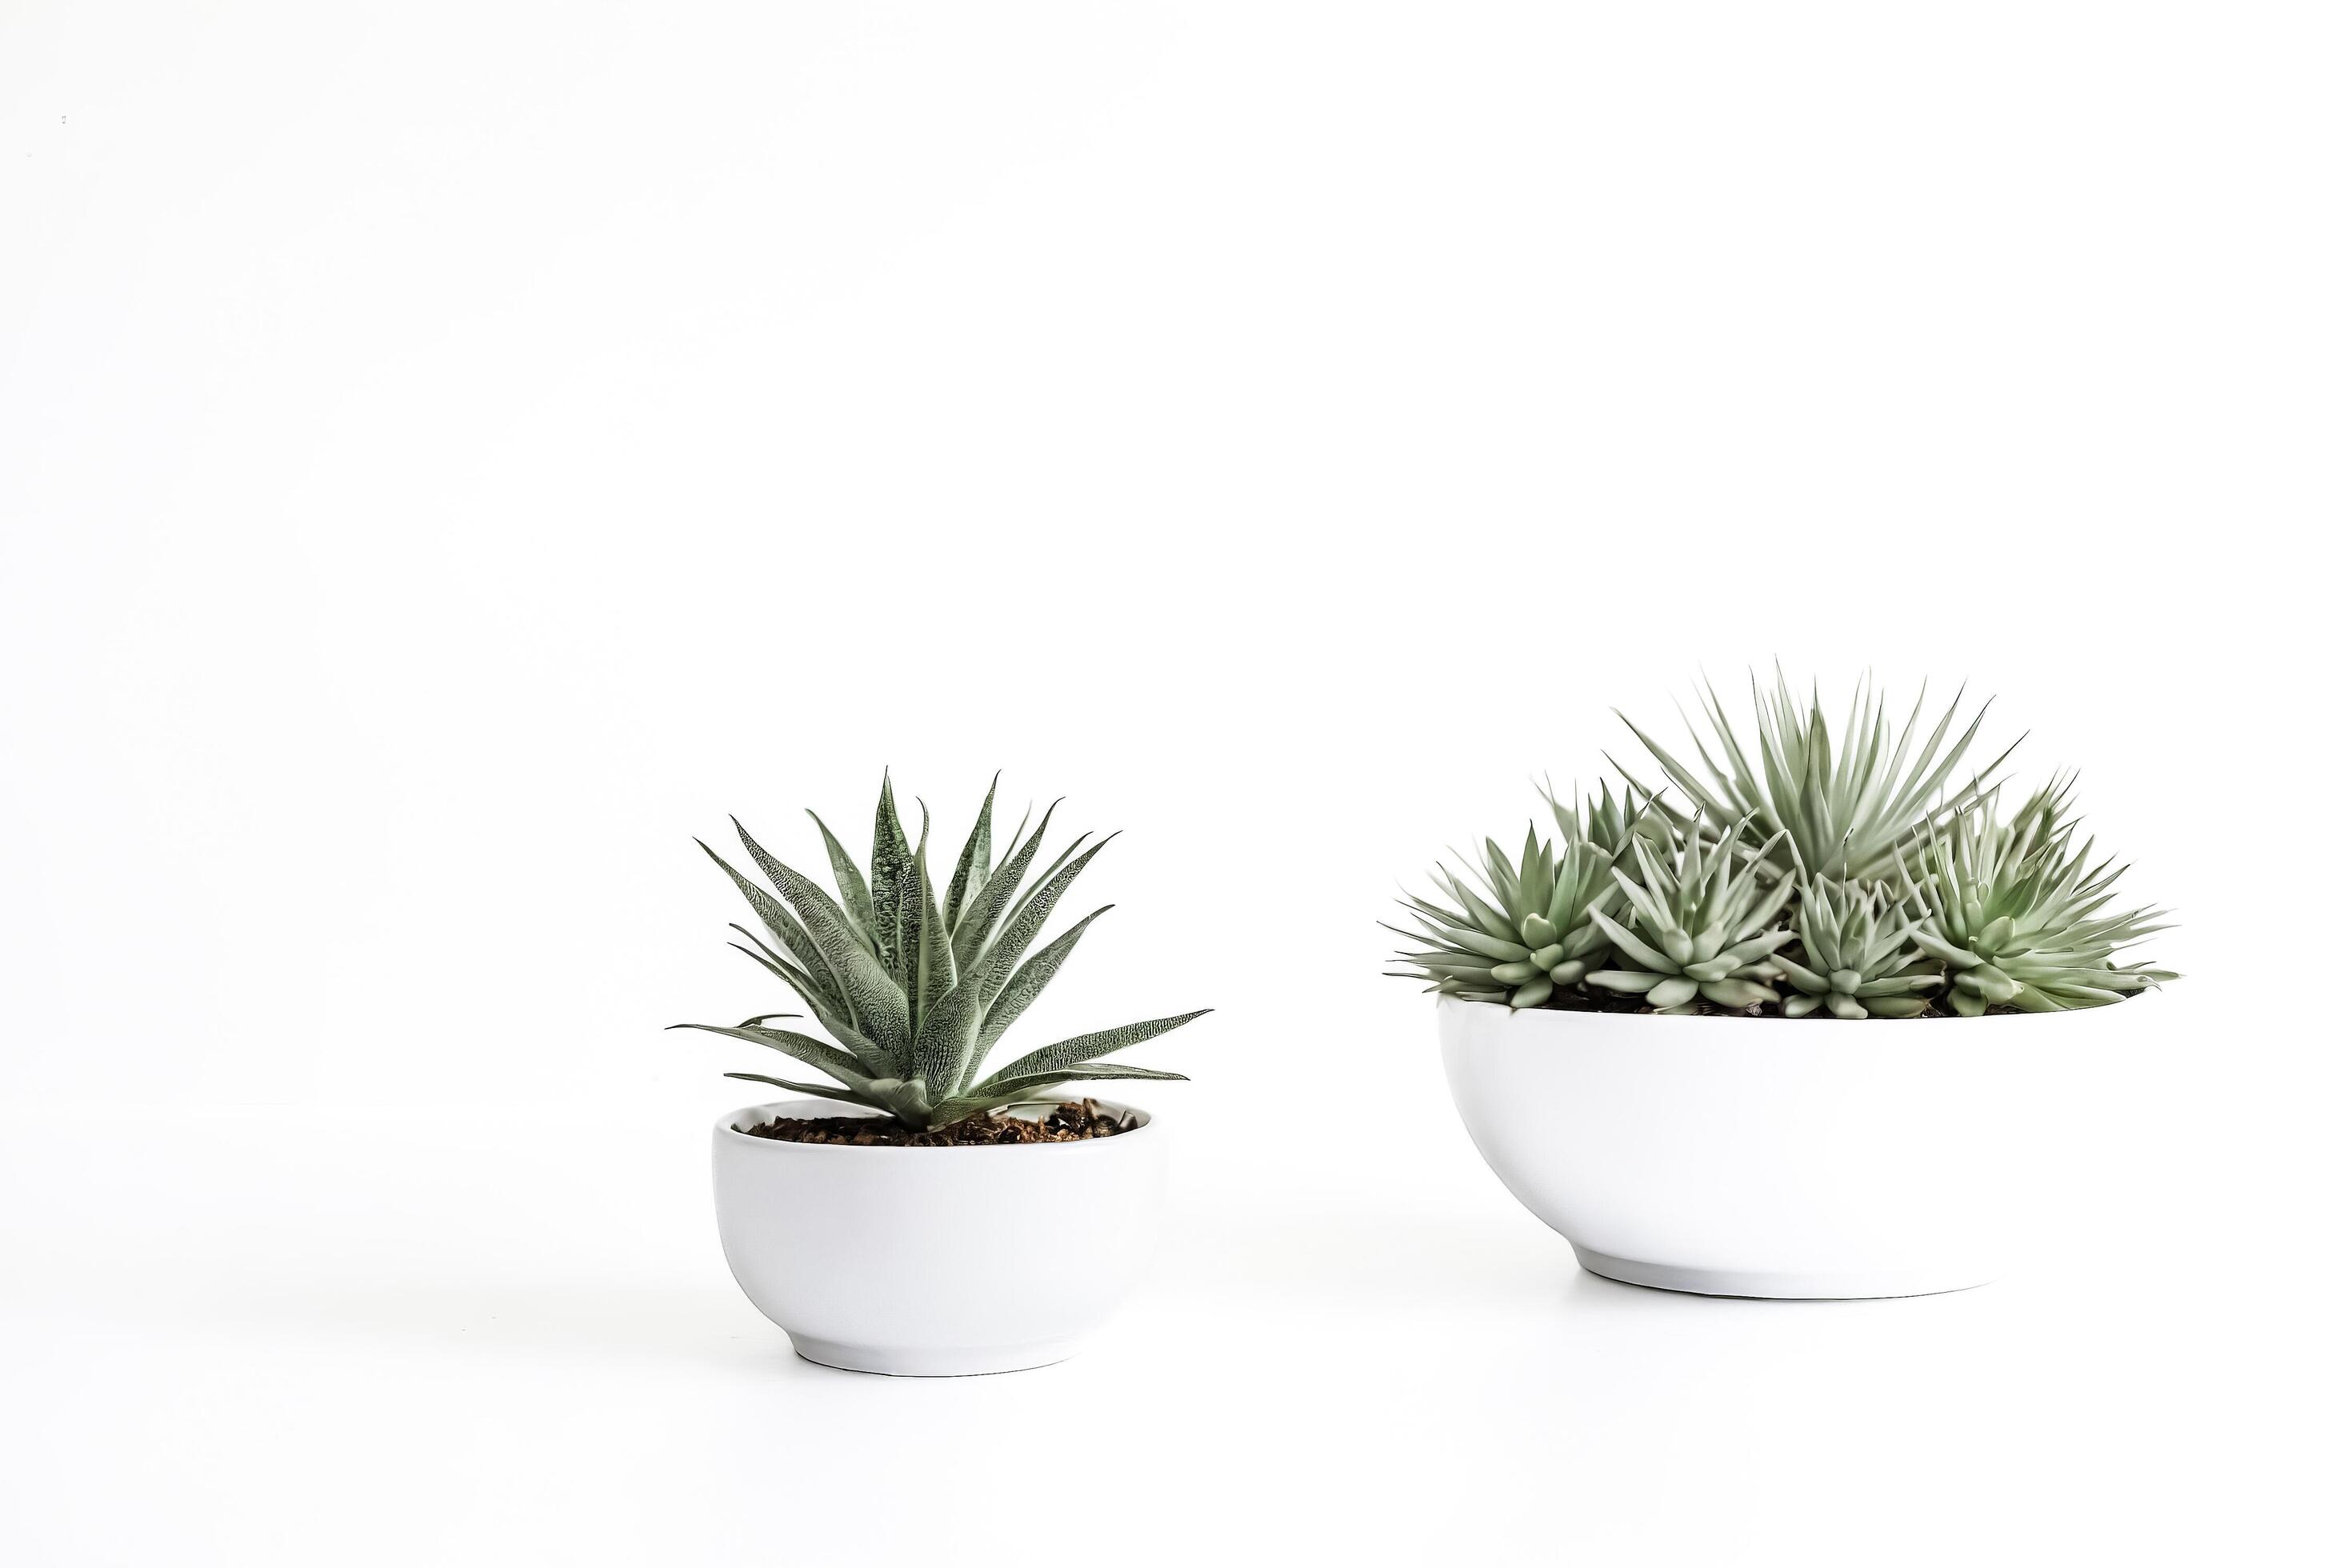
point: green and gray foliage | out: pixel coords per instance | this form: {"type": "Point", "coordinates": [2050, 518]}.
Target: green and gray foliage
{"type": "Point", "coordinates": [1529, 927]}
{"type": "Point", "coordinates": [1701, 925]}
{"type": "Point", "coordinates": [2018, 920]}
{"type": "Point", "coordinates": [1892, 870]}
{"type": "Point", "coordinates": [916, 985]}
{"type": "Point", "coordinates": [1863, 962]}
{"type": "Point", "coordinates": [1847, 809]}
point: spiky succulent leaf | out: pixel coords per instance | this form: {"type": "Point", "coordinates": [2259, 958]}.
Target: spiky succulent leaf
{"type": "Point", "coordinates": [891, 887]}
{"type": "Point", "coordinates": [875, 1000]}
{"type": "Point", "coordinates": [971, 866]}
{"type": "Point", "coordinates": [2021, 917]}
{"type": "Point", "coordinates": [935, 968]}
{"type": "Point", "coordinates": [781, 925]}
{"type": "Point", "coordinates": [1860, 960]}
{"type": "Point", "coordinates": [913, 1028]}
{"type": "Point", "coordinates": [800, 1047]}
{"type": "Point", "coordinates": [1080, 1048]}
{"type": "Point", "coordinates": [857, 898]}
{"type": "Point", "coordinates": [1529, 928]}
{"type": "Point", "coordinates": [1029, 980]}
{"type": "Point", "coordinates": [1848, 809]}
{"type": "Point", "coordinates": [980, 912]}
{"type": "Point", "coordinates": [1695, 926]}
{"type": "Point", "coordinates": [825, 1008]}
{"type": "Point", "coordinates": [997, 961]}
{"type": "Point", "coordinates": [819, 1090]}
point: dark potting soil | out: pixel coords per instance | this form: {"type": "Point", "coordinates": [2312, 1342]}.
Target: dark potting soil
{"type": "Point", "coordinates": [1068, 1122]}
{"type": "Point", "coordinates": [1568, 1001]}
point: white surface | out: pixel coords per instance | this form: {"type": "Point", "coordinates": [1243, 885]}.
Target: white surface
{"type": "Point", "coordinates": [895, 1260]}
{"type": "Point", "coordinates": [1789, 1159]}
{"type": "Point", "coordinates": [430, 434]}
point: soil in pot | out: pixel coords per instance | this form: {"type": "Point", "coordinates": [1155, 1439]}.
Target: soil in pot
{"type": "Point", "coordinates": [1068, 1122]}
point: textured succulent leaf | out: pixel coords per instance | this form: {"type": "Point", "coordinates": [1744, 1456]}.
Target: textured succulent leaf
{"type": "Point", "coordinates": [876, 1005]}
{"type": "Point", "coordinates": [1527, 930]}
{"type": "Point", "coordinates": [979, 915]}
{"type": "Point", "coordinates": [779, 923]}
{"type": "Point", "coordinates": [971, 866]}
{"type": "Point", "coordinates": [935, 968]}
{"type": "Point", "coordinates": [1862, 949]}
{"type": "Point", "coordinates": [2019, 915]}
{"type": "Point", "coordinates": [818, 1091]}
{"type": "Point", "coordinates": [912, 1028]}
{"type": "Point", "coordinates": [891, 887]}
{"type": "Point", "coordinates": [1087, 1047]}
{"type": "Point", "coordinates": [997, 961]}
{"type": "Point", "coordinates": [827, 1008]}
{"type": "Point", "coordinates": [801, 1048]}
{"type": "Point", "coordinates": [857, 898]}
{"type": "Point", "coordinates": [1027, 982]}
{"type": "Point", "coordinates": [1848, 809]}
{"type": "Point", "coordinates": [947, 1049]}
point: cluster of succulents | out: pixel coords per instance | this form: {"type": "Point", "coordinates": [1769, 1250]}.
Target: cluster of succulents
{"type": "Point", "coordinates": [916, 986]}
{"type": "Point", "coordinates": [1850, 875]}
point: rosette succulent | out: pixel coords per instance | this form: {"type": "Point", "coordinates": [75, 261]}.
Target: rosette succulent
{"type": "Point", "coordinates": [915, 986]}
{"type": "Point", "coordinates": [1697, 927]}
{"type": "Point", "coordinates": [1861, 961]}
{"type": "Point", "coordinates": [2020, 921]}
{"type": "Point", "coordinates": [1529, 928]}
{"type": "Point", "coordinates": [1851, 871]}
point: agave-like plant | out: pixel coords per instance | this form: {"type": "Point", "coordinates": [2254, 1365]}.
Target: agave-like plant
{"type": "Point", "coordinates": [1701, 924]}
{"type": "Point", "coordinates": [2021, 918]}
{"type": "Point", "coordinates": [1530, 928]}
{"type": "Point", "coordinates": [1848, 810]}
{"type": "Point", "coordinates": [1911, 891]}
{"type": "Point", "coordinates": [1864, 963]}
{"type": "Point", "coordinates": [917, 988]}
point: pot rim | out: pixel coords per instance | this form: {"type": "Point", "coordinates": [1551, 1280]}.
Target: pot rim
{"type": "Point", "coordinates": [1684, 1020]}
{"type": "Point", "coordinates": [1145, 1122]}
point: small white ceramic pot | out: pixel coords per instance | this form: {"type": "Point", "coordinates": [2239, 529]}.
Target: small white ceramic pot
{"type": "Point", "coordinates": [936, 1262]}
{"type": "Point", "coordinates": [1805, 1158]}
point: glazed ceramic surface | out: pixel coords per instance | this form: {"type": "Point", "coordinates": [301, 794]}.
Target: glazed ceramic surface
{"type": "Point", "coordinates": [935, 1262]}
{"type": "Point", "coordinates": [1763, 1157]}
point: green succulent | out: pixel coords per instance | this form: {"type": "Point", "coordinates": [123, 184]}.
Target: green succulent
{"type": "Point", "coordinates": [1864, 963]}
{"type": "Point", "coordinates": [2020, 918]}
{"type": "Point", "coordinates": [1696, 928]}
{"type": "Point", "coordinates": [1527, 929]}
{"type": "Point", "coordinates": [916, 987]}
{"type": "Point", "coordinates": [1847, 809]}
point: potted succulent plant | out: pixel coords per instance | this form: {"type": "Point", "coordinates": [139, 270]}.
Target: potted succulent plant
{"type": "Point", "coordinates": [1593, 997]}
{"type": "Point", "coordinates": [954, 1220]}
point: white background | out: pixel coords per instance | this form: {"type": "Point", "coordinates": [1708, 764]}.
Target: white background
{"type": "Point", "coordinates": [450, 455]}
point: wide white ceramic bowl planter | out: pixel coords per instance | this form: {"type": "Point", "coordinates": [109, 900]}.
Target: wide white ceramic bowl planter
{"type": "Point", "coordinates": [1808, 1158]}
{"type": "Point", "coordinates": [936, 1262]}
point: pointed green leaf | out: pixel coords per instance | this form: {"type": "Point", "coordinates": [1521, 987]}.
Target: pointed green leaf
{"type": "Point", "coordinates": [1087, 1047]}
{"type": "Point", "coordinates": [889, 885]}
{"type": "Point", "coordinates": [800, 1047]}
{"type": "Point", "coordinates": [979, 919]}
{"type": "Point", "coordinates": [971, 866]}
{"type": "Point", "coordinates": [778, 919]}
{"type": "Point", "coordinates": [1027, 982]}
{"type": "Point", "coordinates": [820, 1091]}
{"type": "Point", "coordinates": [875, 1004]}
{"type": "Point", "coordinates": [857, 900]}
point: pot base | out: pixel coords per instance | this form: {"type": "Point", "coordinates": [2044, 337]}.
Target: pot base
{"type": "Point", "coordinates": [1827, 1287]}
{"type": "Point", "coordinates": [895, 1362]}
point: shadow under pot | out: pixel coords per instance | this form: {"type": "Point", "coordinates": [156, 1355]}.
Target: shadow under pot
{"type": "Point", "coordinates": [936, 1262]}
